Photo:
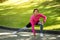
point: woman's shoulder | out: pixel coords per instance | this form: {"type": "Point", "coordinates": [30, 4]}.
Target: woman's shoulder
{"type": "Point", "coordinates": [32, 15]}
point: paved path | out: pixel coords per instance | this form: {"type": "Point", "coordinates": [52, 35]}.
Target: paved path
{"type": "Point", "coordinates": [27, 36]}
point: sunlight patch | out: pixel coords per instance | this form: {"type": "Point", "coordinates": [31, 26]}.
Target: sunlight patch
{"type": "Point", "coordinates": [52, 27]}
{"type": "Point", "coordinates": [58, 18]}
{"type": "Point", "coordinates": [49, 27]}
{"type": "Point", "coordinates": [9, 13]}
{"type": "Point", "coordinates": [49, 0]}
{"type": "Point", "coordinates": [14, 2]}
{"type": "Point", "coordinates": [1, 9]}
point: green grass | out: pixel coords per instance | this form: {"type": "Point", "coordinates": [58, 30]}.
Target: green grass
{"type": "Point", "coordinates": [17, 16]}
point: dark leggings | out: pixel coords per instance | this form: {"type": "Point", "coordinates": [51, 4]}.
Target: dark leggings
{"type": "Point", "coordinates": [41, 26]}
{"type": "Point", "coordinates": [29, 25]}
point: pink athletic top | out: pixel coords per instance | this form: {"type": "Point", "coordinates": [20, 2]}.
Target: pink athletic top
{"type": "Point", "coordinates": [33, 20]}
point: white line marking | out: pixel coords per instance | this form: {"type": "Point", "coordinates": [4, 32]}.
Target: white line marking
{"type": "Point", "coordinates": [5, 33]}
{"type": "Point", "coordinates": [24, 35]}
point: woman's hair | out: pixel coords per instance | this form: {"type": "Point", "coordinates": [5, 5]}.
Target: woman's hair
{"type": "Point", "coordinates": [35, 9]}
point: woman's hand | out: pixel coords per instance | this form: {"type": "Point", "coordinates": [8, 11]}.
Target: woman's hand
{"type": "Point", "coordinates": [42, 23]}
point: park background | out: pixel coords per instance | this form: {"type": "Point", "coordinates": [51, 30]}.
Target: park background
{"type": "Point", "coordinates": [16, 13]}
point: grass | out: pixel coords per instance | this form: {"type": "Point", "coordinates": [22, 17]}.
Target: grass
{"type": "Point", "coordinates": [17, 16]}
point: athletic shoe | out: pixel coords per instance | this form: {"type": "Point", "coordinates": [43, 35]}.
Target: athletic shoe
{"type": "Point", "coordinates": [41, 34]}
{"type": "Point", "coordinates": [24, 28]}
{"type": "Point", "coordinates": [14, 32]}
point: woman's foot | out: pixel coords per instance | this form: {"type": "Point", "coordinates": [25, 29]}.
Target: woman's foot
{"type": "Point", "coordinates": [14, 32]}
{"type": "Point", "coordinates": [24, 28]}
{"type": "Point", "coordinates": [41, 34]}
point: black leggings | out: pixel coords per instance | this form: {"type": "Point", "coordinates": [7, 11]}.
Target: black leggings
{"type": "Point", "coordinates": [41, 26]}
{"type": "Point", "coordinates": [29, 24]}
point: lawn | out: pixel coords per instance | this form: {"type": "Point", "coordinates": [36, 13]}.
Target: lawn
{"type": "Point", "coordinates": [17, 16]}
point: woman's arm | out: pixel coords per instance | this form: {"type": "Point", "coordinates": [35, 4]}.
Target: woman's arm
{"type": "Point", "coordinates": [44, 18]}
{"type": "Point", "coordinates": [32, 24]}
{"type": "Point", "coordinates": [33, 30]}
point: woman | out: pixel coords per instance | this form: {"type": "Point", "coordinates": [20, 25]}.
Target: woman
{"type": "Point", "coordinates": [34, 20]}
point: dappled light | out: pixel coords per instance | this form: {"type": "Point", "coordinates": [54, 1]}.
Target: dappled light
{"type": "Point", "coordinates": [16, 13]}
{"type": "Point", "coordinates": [14, 2]}
{"type": "Point", "coordinates": [58, 18]}
{"type": "Point", "coordinates": [52, 27]}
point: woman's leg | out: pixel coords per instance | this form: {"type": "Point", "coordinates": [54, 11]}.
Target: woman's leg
{"type": "Point", "coordinates": [26, 27]}
{"type": "Point", "coordinates": [41, 26]}
{"type": "Point", "coordinates": [41, 29]}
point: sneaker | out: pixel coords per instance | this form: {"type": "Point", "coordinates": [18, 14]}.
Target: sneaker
{"type": "Point", "coordinates": [24, 28]}
{"type": "Point", "coordinates": [14, 32]}
{"type": "Point", "coordinates": [41, 34]}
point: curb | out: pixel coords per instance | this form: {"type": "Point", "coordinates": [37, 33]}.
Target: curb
{"type": "Point", "coordinates": [29, 30]}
